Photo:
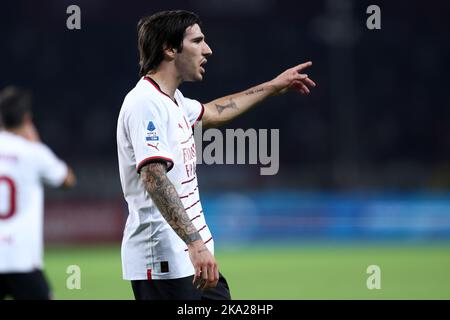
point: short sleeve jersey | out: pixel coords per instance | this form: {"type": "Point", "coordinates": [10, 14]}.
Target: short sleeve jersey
{"type": "Point", "coordinates": [153, 127]}
{"type": "Point", "coordinates": [24, 168]}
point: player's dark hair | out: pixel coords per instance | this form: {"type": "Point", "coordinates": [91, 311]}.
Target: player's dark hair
{"type": "Point", "coordinates": [14, 104]}
{"type": "Point", "coordinates": [160, 30]}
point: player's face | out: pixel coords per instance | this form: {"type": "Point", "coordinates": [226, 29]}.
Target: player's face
{"type": "Point", "coordinates": [190, 62]}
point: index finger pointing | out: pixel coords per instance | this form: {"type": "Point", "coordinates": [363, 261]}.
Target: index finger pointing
{"type": "Point", "coordinates": [303, 66]}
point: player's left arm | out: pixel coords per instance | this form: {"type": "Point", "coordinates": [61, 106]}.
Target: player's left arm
{"type": "Point", "coordinates": [222, 110]}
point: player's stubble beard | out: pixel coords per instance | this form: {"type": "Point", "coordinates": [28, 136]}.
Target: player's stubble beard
{"type": "Point", "coordinates": [191, 73]}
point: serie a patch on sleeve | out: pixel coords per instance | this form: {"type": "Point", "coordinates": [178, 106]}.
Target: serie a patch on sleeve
{"type": "Point", "coordinates": [152, 134]}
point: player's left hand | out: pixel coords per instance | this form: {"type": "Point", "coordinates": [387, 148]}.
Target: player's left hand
{"type": "Point", "coordinates": [293, 79]}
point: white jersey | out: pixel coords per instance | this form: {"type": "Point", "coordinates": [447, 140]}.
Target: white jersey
{"type": "Point", "coordinates": [153, 126]}
{"type": "Point", "coordinates": [24, 167]}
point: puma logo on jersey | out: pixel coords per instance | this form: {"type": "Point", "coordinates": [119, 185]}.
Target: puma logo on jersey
{"type": "Point", "coordinates": [153, 146]}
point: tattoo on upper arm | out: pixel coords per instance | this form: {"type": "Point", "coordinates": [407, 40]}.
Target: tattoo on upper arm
{"type": "Point", "coordinates": [252, 91]}
{"type": "Point", "coordinates": [167, 200]}
{"type": "Point", "coordinates": [231, 105]}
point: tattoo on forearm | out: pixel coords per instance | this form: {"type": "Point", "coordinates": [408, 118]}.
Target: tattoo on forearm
{"type": "Point", "coordinates": [231, 105]}
{"type": "Point", "coordinates": [167, 200]}
{"type": "Point", "coordinates": [253, 91]}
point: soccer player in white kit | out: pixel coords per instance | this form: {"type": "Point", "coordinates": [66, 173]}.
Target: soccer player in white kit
{"type": "Point", "coordinates": [25, 164]}
{"type": "Point", "coordinates": [167, 247]}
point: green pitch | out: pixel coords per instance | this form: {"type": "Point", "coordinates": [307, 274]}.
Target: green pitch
{"type": "Point", "coordinates": [294, 272]}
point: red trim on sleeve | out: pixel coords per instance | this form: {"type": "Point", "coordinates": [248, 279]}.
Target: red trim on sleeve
{"type": "Point", "coordinates": [200, 116]}
{"type": "Point", "coordinates": [151, 159]}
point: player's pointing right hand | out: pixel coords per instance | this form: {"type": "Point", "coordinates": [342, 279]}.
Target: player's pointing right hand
{"type": "Point", "coordinates": [293, 78]}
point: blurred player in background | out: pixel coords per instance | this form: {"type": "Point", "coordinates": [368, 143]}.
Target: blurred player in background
{"type": "Point", "coordinates": [167, 248]}
{"type": "Point", "coordinates": [25, 165]}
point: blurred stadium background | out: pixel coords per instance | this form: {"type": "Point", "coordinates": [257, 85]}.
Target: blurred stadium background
{"type": "Point", "coordinates": [364, 173]}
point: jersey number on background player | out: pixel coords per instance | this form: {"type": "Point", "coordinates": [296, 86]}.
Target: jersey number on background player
{"type": "Point", "coordinates": [7, 198]}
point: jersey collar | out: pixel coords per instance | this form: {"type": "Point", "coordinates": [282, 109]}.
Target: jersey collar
{"type": "Point", "coordinates": [156, 85]}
